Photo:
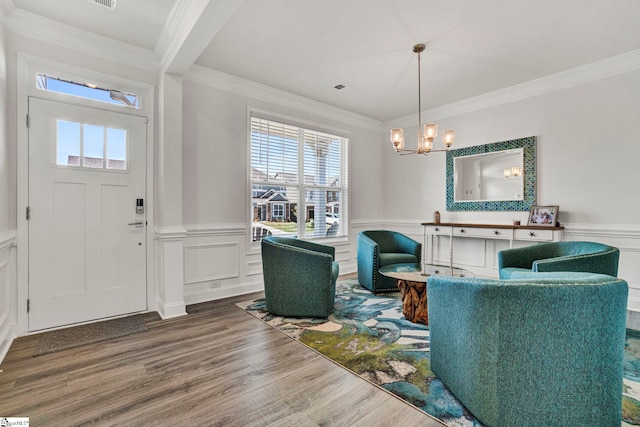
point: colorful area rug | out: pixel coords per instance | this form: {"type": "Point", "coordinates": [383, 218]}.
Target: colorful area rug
{"type": "Point", "coordinates": [367, 334]}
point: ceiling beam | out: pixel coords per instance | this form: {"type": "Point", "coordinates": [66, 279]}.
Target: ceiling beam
{"type": "Point", "coordinates": [190, 27]}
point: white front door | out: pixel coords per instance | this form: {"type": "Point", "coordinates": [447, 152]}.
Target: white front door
{"type": "Point", "coordinates": [87, 245]}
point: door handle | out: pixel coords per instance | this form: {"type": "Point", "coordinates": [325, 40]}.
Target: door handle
{"type": "Point", "coordinates": [139, 223]}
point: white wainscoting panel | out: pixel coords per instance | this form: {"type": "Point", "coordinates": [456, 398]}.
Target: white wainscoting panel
{"type": "Point", "coordinates": [8, 289]}
{"type": "Point", "coordinates": [624, 237]}
{"type": "Point", "coordinates": [209, 262]}
{"type": "Point", "coordinates": [219, 263]}
{"type": "Point", "coordinates": [254, 268]}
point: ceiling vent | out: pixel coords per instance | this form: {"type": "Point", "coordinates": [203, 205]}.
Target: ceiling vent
{"type": "Point", "coordinates": [111, 4]}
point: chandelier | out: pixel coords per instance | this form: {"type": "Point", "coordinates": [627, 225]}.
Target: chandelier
{"type": "Point", "coordinates": [429, 131]}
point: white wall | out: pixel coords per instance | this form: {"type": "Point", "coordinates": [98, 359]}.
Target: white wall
{"type": "Point", "coordinates": [219, 259]}
{"type": "Point", "coordinates": [215, 148]}
{"type": "Point", "coordinates": [587, 163]}
{"type": "Point", "coordinates": [587, 150]}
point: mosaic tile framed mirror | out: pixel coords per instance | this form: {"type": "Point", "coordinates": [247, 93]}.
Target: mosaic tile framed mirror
{"type": "Point", "coordinates": [500, 176]}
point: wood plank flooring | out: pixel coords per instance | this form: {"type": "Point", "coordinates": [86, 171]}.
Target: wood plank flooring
{"type": "Point", "coordinates": [218, 366]}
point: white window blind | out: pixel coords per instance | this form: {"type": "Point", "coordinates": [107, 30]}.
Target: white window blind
{"type": "Point", "coordinates": [299, 181]}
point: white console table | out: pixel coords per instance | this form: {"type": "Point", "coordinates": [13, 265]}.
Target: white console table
{"type": "Point", "coordinates": [486, 231]}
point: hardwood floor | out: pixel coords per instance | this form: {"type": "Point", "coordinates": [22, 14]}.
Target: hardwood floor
{"type": "Point", "coordinates": [218, 366]}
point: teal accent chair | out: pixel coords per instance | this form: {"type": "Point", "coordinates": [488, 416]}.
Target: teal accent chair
{"type": "Point", "coordinates": [588, 257]}
{"type": "Point", "coordinates": [377, 248]}
{"type": "Point", "coordinates": [299, 277]}
{"type": "Point", "coordinates": [546, 350]}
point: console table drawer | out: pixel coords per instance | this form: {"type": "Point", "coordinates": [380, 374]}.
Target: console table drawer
{"type": "Point", "coordinates": [534, 235]}
{"type": "Point", "coordinates": [438, 230]}
{"type": "Point", "coordinates": [483, 233]}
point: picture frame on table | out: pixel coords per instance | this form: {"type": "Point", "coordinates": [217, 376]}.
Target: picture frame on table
{"type": "Point", "coordinates": [544, 216]}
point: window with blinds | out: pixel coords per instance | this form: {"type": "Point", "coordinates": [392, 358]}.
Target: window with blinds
{"type": "Point", "coordinates": [298, 181]}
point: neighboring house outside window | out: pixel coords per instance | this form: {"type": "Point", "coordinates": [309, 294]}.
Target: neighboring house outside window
{"type": "Point", "coordinates": [298, 181]}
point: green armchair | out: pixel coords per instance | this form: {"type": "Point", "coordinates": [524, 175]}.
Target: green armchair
{"type": "Point", "coordinates": [377, 248]}
{"type": "Point", "coordinates": [559, 256]}
{"type": "Point", "coordinates": [542, 351]}
{"type": "Point", "coordinates": [299, 277]}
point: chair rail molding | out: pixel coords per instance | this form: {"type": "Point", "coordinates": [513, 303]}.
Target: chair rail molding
{"type": "Point", "coordinates": [201, 230]}
{"type": "Point", "coordinates": [626, 231]}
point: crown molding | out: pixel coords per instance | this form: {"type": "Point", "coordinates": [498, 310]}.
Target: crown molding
{"type": "Point", "coordinates": [32, 26]}
{"type": "Point", "coordinates": [179, 24]}
{"type": "Point", "coordinates": [170, 27]}
{"type": "Point", "coordinates": [233, 84]}
{"type": "Point", "coordinates": [598, 70]}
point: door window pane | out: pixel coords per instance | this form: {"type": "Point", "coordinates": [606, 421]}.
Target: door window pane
{"type": "Point", "coordinates": [68, 143]}
{"type": "Point", "coordinates": [93, 146]}
{"type": "Point", "coordinates": [116, 149]}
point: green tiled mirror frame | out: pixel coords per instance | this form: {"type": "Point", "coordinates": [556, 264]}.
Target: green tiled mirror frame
{"type": "Point", "coordinates": [529, 198]}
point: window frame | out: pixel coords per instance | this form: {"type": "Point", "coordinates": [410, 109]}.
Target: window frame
{"type": "Point", "coordinates": [302, 188]}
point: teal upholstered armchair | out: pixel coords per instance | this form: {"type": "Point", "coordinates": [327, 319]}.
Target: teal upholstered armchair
{"type": "Point", "coordinates": [377, 248]}
{"type": "Point", "coordinates": [299, 277]}
{"type": "Point", "coordinates": [542, 351]}
{"type": "Point", "coordinates": [559, 256]}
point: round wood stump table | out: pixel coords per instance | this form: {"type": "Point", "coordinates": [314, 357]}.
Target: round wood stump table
{"type": "Point", "coordinates": [412, 283]}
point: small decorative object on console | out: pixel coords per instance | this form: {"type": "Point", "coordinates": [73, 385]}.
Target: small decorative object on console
{"type": "Point", "coordinates": [543, 215]}
{"type": "Point", "coordinates": [436, 217]}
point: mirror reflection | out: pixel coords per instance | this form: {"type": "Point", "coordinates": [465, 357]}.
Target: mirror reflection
{"type": "Point", "coordinates": [494, 176]}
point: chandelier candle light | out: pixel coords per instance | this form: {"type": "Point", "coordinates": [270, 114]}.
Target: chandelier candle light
{"type": "Point", "coordinates": [430, 130]}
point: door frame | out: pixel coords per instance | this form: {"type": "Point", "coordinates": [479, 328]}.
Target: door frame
{"type": "Point", "coordinates": [27, 67]}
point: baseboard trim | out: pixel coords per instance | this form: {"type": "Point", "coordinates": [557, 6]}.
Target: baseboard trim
{"type": "Point", "coordinates": [169, 311]}
{"type": "Point", "coordinates": [8, 334]}
{"type": "Point", "coordinates": [222, 293]}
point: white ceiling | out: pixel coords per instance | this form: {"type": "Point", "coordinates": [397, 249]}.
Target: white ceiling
{"type": "Point", "coordinates": [136, 22]}
{"type": "Point", "coordinates": [306, 47]}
